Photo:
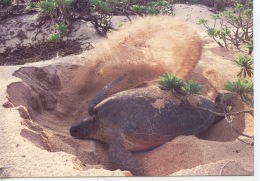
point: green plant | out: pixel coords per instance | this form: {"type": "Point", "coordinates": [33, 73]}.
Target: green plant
{"type": "Point", "coordinates": [47, 7]}
{"type": "Point", "coordinates": [55, 37]}
{"type": "Point", "coordinates": [246, 66]}
{"type": "Point", "coordinates": [170, 81]}
{"type": "Point", "coordinates": [243, 88]}
{"type": "Point", "coordinates": [54, 8]}
{"type": "Point", "coordinates": [98, 12]}
{"type": "Point", "coordinates": [194, 88]}
{"type": "Point", "coordinates": [62, 29]}
{"type": "Point", "coordinates": [236, 25]}
{"type": "Point", "coordinates": [64, 6]}
{"type": "Point", "coordinates": [101, 6]}
{"type": "Point", "coordinates": [152, 8]}
{"type": "Point", "coordinates": [250, 46]}
{"type": "Point", "coordinates": [101, 15]}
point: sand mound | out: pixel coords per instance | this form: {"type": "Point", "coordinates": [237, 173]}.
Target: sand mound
{"type": "Point", "coordinates": [186, 152]}
{"type": "Point", "coordinates": [223, 167]}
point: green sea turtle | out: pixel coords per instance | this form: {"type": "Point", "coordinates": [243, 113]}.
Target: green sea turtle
{"type": "Point", "coordinates": [140, 119]}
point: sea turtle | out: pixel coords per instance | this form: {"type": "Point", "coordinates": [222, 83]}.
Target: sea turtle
{"type": "Point", "coordinates": [140, 119]}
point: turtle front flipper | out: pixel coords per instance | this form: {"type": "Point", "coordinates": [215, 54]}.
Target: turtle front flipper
{"type": "Point", "coordinates": [101, 95]}
{"type": "Point", "coordinates": [124, 159]}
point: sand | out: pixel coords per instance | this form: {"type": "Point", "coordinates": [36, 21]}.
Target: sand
{"type": "Point", "coordinates": [35, 151]}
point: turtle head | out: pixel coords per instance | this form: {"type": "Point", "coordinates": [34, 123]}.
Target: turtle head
{"type": "Point", "coordinates": [82, 129]}
{"type": "Point", "coordinates": [221, 104]}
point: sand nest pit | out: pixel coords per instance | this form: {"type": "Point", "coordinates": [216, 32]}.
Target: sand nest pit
{"type": "Point", "coordinates": [50, 99]}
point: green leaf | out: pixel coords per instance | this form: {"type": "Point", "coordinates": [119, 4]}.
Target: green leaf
{"type": "Point", "coordinates": [250, 45]}
{"type": "Point", "coordinates": [170, 81]}
{"type": "Point", "coordinates": [227, 96]}
{"type": "Point", "coordinates": [246, 65]}
{"type": "Point", "coordinates": [54, 37]}
{"type": "Point", "coordinates": [240, 86]}
{"type": "Point", "coordinates": [47, 5]}
{"type": "Point", "coordinates": [248, 100]}
{"type": "Point", "coordinates": [152, 8]}
{"type": "Point", "coordinates": [202, 21]}
{"type": "Point", "coordinates": [216, 16]}
{"type": "Point", "coordinates": [62, 28]}
{"type": "Point", "coordinates": [101, 5]}
{"type": "Point", "coordinates": [194, 87]}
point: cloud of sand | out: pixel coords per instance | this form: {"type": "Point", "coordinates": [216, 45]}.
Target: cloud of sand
{"type": "Point", "coordinates": [144, 50]}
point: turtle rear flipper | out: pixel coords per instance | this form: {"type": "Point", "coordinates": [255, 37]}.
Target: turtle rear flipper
{"type": "Point", "coordinates": [123, 159]}
{"type": "Point", "coordinates": [101, 95]}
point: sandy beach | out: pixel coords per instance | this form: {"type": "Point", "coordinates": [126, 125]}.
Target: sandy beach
{"type": "Point", "coordinates": [40, 145]}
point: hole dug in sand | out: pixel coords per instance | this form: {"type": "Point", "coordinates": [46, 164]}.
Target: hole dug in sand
{"type": "Point", "coordinates": [49, 104]}
{"type": "Point", "coordinates": [50, 99]}
{"type": "Point", "coordinates": [48, 110]}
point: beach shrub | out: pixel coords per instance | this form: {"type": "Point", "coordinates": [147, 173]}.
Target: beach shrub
{"type": "Point", "coordinates": [170, 81]}
{"type": "Point", "coordinates": [55, 37]}
{"type": "Point", "coordinates": [62, 30]}
{"type": "Point", "coordinates": [152, 8]}
{"type": "Point", "coordinates": [244, 88]}
{"type": "Point", "coordinates": [98, 12]}
{"type": "Point", "coordinates": [194, 87]}
{"type": "Point", "coordinates": [101, 6]}
{"type": "Point", "coordinates": [101, 15]}
{"type": "Point", "coordinates": [246, 65]}
{"type": "Point", "coordinates": [250, 46]}
{"type": "Point", "coordinates": [47, 8]}
{"type": "Point", "coordinates": [236, 25]}
{"type": "Point", "coordinates": [54, 8]}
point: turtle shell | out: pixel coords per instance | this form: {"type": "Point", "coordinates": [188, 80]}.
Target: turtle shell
{"type": "Point", "coordinates": [148, 117]}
